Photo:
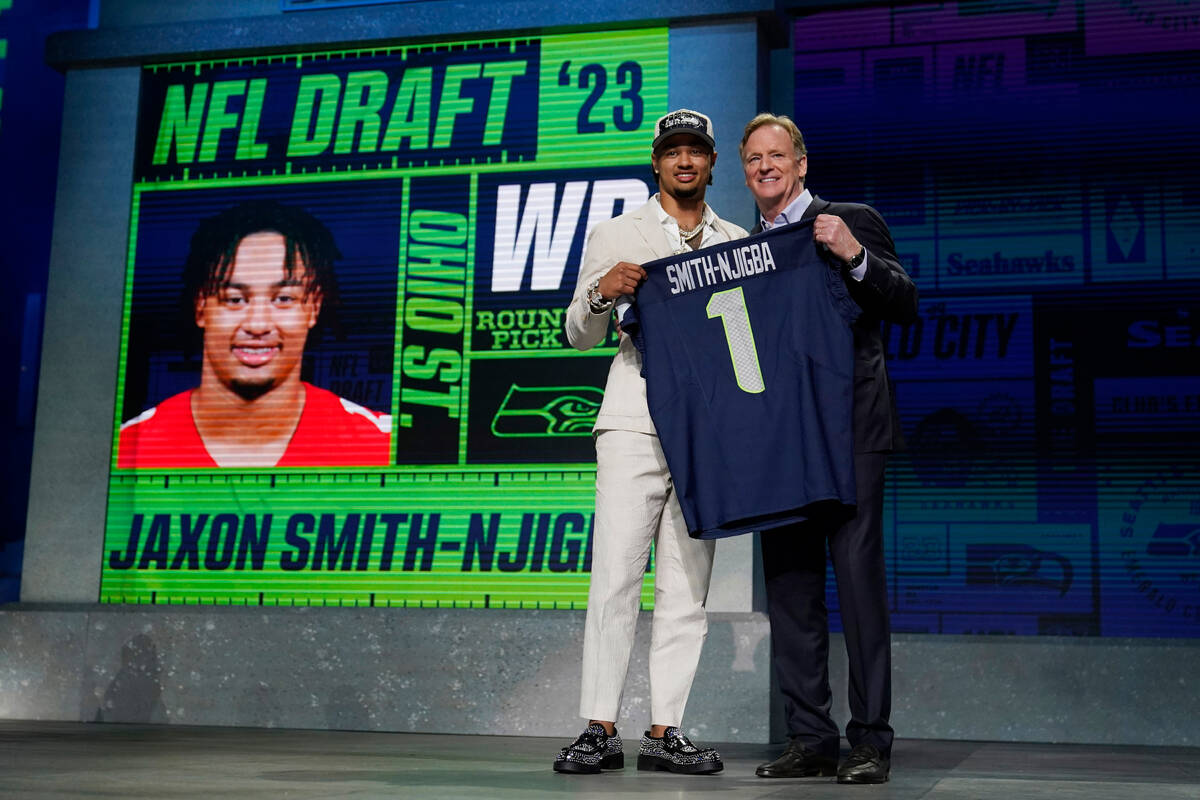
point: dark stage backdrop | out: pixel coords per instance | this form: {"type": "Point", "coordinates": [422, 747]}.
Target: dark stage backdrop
{"type": "Point", "coordinates": [1037, 163]}
{"type": "Point", "coordinates": [30, 119]}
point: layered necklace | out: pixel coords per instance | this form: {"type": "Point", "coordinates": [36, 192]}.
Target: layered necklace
{"type": "Point", "coordinates": [687, 236]}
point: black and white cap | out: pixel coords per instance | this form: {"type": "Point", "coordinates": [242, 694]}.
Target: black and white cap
{"type": "Point", "coordinates": [683, 120]}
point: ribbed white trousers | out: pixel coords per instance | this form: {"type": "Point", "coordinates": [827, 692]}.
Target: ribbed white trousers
{"type": "Point", "coordinates": [636, 505]}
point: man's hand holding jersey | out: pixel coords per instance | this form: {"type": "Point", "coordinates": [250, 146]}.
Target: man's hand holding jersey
{"type": "Point", "coordinates": [832, 231]}
{"type": "Point", "coordinates": [622, 279]}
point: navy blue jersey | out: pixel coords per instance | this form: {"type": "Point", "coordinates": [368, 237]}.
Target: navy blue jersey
{"type": "Point", "coordinates": [748, 357]}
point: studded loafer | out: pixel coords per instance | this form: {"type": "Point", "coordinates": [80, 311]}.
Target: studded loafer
{"type": "Point", "coordinates": [674, 752]}
{"type": "Point", "coordinates": [592, 751]}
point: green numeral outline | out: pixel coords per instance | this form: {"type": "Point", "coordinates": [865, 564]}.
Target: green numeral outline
{"type": "Point", "coordinates": [730, 306]}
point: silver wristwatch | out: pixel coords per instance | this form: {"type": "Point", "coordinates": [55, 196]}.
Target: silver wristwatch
{"type": "Point", "coordinates": [596, 301]}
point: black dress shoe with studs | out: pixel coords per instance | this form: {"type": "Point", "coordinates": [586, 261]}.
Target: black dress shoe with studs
{"type": "Point", "coordinates": [865, 764]}
{"type": "Point", "coordinates": [674, 752]}
{"type": "Point", "coordinates": [592, 751]}
{"type": "Point", "coordinates": [797, 761]}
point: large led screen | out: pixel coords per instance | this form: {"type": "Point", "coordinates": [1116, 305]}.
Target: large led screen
{"type": "Point", "coordinates": [343, 375]}
{"type": "Point", "coordinates": [1037, 165]}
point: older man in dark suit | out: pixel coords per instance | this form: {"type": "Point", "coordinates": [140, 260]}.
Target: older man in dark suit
{"type": "Point", "coordinates": [856, 242]}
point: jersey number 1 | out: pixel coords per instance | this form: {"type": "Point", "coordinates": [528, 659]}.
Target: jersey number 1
{"type": "Point", "coordinates": [730, 306]}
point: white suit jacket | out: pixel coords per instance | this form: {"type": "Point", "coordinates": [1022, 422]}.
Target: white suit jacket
{"type": "Point", "coordinates": [637, 237]}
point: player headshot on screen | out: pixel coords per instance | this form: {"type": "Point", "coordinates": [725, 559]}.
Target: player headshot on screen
{"type": "Point", "coordinates": [255, 281]}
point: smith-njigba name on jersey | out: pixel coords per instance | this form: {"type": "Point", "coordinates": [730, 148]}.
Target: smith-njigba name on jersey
{"type": "Point", "coordinates": [709, 269]}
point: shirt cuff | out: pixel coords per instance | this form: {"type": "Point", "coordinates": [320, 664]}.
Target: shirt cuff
{"type": "Point", "coordinates": [860, 272]}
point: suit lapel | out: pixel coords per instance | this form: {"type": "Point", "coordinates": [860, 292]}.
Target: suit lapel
{"type": "Point", "coordinates": [646, 223]}
{"type": "Point", "coordinates": [817, 206]}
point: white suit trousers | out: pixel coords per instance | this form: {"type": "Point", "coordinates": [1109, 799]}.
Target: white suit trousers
{"type": "Point", "coordinates": [636, 505]}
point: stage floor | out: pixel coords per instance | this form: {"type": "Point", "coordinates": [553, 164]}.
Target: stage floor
{"type": "Point", "coordinates": [75, 760]}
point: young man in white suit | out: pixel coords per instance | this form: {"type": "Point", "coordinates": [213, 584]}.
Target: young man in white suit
{"type": "Point", "coordinates": [635, 500]}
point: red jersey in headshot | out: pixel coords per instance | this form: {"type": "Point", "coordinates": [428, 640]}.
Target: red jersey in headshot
{"type": "Point", "coordinates": [332, 432]}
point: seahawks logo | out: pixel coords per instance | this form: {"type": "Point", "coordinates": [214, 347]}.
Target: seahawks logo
{"type": "Point", "coordinates": [1018, 565]}
{"type": "Point", "coordinates": [548, 411]}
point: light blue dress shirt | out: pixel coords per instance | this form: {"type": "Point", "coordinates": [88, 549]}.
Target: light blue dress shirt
{"type": "Point", "coordinates": [792, 213]}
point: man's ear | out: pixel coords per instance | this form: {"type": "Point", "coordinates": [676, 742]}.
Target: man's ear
{"type": "Point", "coordinates": [198, 316]}
{"type": "Point", "coordinates": [315, 298]}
